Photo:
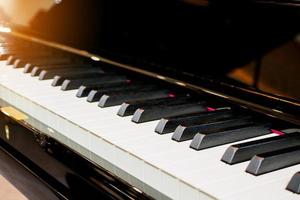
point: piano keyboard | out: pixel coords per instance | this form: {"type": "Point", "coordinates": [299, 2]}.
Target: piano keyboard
{"type": "Point", "coordinates": [165, 142]}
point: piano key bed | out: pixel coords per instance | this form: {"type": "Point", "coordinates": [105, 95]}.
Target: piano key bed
{"type": "Point", "coordinates": [167, 143]}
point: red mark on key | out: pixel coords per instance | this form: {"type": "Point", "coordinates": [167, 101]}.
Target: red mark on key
{"type": "Point", "coordinates": [277, 132]}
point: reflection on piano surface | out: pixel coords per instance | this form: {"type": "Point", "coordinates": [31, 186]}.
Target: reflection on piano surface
{"type": "Point", "coordinates": [151, 99]}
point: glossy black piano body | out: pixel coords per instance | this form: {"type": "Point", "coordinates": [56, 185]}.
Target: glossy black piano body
{"type": "Point", "coordinates": [156, 34]}
{"type": "Point", "coordinates": [180, 39]}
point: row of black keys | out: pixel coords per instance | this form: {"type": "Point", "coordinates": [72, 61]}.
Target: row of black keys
{"type": "Point", "coordinates": [206, 129]}
{"type": "Point", "coordinates": [184, 116]}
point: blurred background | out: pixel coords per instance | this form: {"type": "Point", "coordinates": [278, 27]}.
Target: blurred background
{"type": "Point", "coordinates": [20, 11]}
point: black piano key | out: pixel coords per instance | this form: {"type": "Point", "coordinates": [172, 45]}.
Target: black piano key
{"type": "Point", "coordinates": [50, 74]}
{"type": "Point", "coordinates": [84, 90]}
{"type": "Point", "coordinates": [38, 69]}
{"type": "Point", "coordinates": [11, 59]}
{"type": "Point", "coordinates": [245, 151]}
{"type": "Point", "coordinates": [79, 72]}
{"type": "Point", "coordinates": [118, 98]}
{"type": "Point", "coordinates": [28, 64]}
{"type": "Point", "coordinates": [4, 56]}
{"type": "Point", "coordinates": [22, 62]}
{"type": "Point", "coordinates": [27, 56]}
{"type": "Point", "coordinates": [157, 112]}
{"type": "Point", "coordinates": [128, 108]}
{"type": "Point", "coordinates": [275, 160]}
{"type": "Point", "coordinates": [63, 74]}
{"type": "Point", "coordinates": [168, 125]}
{"type": "Point", "coordinates": [183, 133]}
{"type": "Point", "coordinates": [46, 61]}
{"type": "Point", "coordinates": [59, 79]}
{"type": "Point", "coordinates": [72, 84]}
{"type": "Point", "coordinates": [294, 184]}
{"type": "Point", "coordinates": [7, 52]}
{"type": "Point", "coordinates": [95, 95]}
{"type": "Point", "coordinates": [212, 139]}
{"type": "Point", "coordinates": [45, 75]}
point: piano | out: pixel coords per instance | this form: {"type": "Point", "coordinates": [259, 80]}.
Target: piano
{"type": "Point", "coordinates": [173, 99]}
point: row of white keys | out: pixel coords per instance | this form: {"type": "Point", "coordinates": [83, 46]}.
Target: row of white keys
{"type": "Point", "coordinates": [50, 96]}
{"type": "Point", "coordinates": [138, 136]}
{"type": "Point", "coordinates": [200, 170]}
{"type": "Point", "coordinates": [141, 140]}
{"type": "Point", "coordinates": [208, 171]}
{"type": "Point", "coordinates": [148, 141]}
{"type": "Point", "coordinates": [64, 111]}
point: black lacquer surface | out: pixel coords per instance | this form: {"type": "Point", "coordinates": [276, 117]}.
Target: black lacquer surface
{"type": "Point", "coordinates": [49, 170]}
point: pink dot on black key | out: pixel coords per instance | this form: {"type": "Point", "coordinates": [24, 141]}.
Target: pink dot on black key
{"type": "Point", "coordinates": [277, 132]}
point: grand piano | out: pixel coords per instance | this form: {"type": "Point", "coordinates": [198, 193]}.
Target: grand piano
{"type": "Point", "coordinates": [149, 99]}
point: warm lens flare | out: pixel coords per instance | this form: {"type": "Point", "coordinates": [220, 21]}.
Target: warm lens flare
{"type": "Point", "coordinates": [4, 29]}
{"type": "Point", "coordinates": [21, 12]}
